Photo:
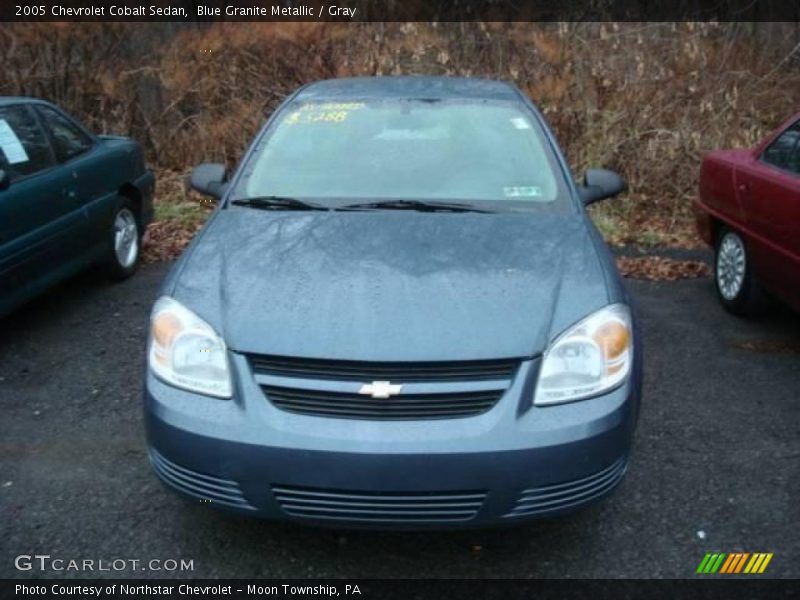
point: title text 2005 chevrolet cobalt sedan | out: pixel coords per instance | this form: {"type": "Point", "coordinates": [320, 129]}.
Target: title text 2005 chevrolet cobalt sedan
{"type": "Point", "coordinates": [399, 315]}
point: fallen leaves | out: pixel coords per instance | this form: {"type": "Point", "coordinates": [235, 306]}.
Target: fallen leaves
{"type": "Point", "coordinates": [179, 215]}
{"type": "Point", "coordinates": [657, 268]}
{"type": "Point", "coordinates": [165, 240]}
{"type": "Point", "coordinates": [640, 220]}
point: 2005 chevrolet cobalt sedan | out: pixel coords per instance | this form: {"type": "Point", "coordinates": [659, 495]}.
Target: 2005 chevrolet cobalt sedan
{"type": "Point", "coordinates": [399, 315]}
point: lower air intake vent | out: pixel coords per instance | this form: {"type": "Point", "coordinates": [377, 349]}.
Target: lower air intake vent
{"type": "Point", "coordinates": [389, 507]}
{"type": "Point", "coordinates": [204, 487]}
{"type": "Point", "coordinates": [559, 496]}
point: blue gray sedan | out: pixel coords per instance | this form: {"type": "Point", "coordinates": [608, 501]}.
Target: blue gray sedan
{"type": "Point", "coordinates": [399, 315]}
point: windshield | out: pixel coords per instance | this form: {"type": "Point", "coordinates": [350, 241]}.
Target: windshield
{"type": "Point", "coordinates": [457, 151]}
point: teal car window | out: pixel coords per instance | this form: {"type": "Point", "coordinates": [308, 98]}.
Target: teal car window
{"type": "Point", "coordinates": [24, 150]}
{"type": "Point", "coordinates": [411, 149]}
{"type": "Point", "coordinates": [68, 140]}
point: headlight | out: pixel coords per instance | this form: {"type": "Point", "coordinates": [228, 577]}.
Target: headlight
{"type": "Point", "coordinates": [185, 351]}
{"type": "Point", "coordinates": [589, 358]}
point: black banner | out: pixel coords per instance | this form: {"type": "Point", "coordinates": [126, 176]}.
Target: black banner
{"type": "Point", "coordinates": [399, 10]}
{"type": "Point", "coordinates": [368, 589]}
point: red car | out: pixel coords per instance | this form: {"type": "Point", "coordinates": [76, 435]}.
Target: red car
{"type": "Point", "coordinates": [749, 212]}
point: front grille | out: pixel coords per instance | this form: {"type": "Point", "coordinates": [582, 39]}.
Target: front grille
{"type": "Point", "coordinates": [559, 496]}
{"type": "Point", "coordinates": [386, 507]}
{"type": "Point", "coordinates": [199, 485]}
{"type": "Point", "coordinates": [406, 372]}
{"type": "Point", "coordinates": [404, 406]}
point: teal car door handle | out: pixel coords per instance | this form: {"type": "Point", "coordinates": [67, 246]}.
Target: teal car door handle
{"type": "Point", "coordinates": [71, 192]}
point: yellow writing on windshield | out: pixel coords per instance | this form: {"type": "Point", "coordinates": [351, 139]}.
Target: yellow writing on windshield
{"type": "Point", "coordinates": [327, 112]}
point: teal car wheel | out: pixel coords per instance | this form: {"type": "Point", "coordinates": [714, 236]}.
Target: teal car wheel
{"type": "Point", "coordinates": [125, 241]}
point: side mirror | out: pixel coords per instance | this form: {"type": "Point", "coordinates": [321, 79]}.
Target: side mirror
{"type": "Point", "coordinates": [5, 180]}
{"type": "Point", "coordinates": [209, 179]}
{"type": "Point", "coordinates": [599, 184]}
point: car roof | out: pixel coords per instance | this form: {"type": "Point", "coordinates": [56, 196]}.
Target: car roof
{"type": "Point", "coordinates": [408, 87]}
{"type": "Point", "coordinates": [5, 100]}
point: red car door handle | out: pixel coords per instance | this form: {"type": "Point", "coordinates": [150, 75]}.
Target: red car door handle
{"type": "Point", "coordinates": [744, 187]}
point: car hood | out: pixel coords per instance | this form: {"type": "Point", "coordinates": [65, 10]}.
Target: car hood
{"type": "Point", "coordinates": [392, 285]}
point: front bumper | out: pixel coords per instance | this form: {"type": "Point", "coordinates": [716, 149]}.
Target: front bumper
{"type": "Point", "coordinates": [511, 463]}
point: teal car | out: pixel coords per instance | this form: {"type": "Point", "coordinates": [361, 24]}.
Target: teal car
{"type": "Point", "coordinates": [69, 199]}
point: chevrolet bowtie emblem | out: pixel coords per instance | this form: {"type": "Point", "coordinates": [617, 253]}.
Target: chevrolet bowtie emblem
{"type": "Point", "coordinates": [380, 389]}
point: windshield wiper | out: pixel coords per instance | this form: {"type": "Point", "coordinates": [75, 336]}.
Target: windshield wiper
{"type": "Point", "coordinates": [278, 203]}
{"type": "Point", "coordinates": [419, 205]}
